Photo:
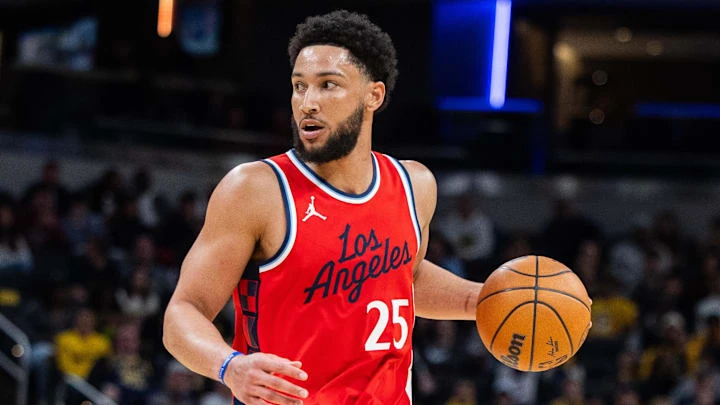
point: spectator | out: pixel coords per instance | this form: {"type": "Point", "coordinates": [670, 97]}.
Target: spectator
{"type": "Point", "coordinates": [426, 389]}
{"type": "Point", "coordinates": [41, 224]}
{"type": "Point", "coordinates": [627, 257]}
{"type": "Point", "coordinates": [626, 396]}
{"type": "Point", "coordinates": [78, 349]}
{"type": "Point", "coordinates": [80, 225]}
{"type": "Point", "coordinates": [628, 366]}
{"type": "Point", "coordinates": [566, 231]}
{"type": "Point", "coordinates": [669, 299]}
{"type": "Point", "coordinates": [713, 241]}
{"type": "Point", "coordinates": [520, 387]}
{"type": "Point", "coordinates": [648, 294]}
{"type": "Point", "coordinates": [463, 394]}
{"type": "Point", "coordinates": [519, 244]}
{"type": "Point", "coordinates": [663, 366]}
{"type": "Point", "coordinates": [442, 353]}
{"type": "Point", "coordinates": [472, 235]}
{"type": "Point", "coordinates": [661, 400]}
{"type": "Point", "coordinates": [144, 254]}
{"type": "Point", "coordinates": [219, 395]}
{"type": "Point", "coordinates": [588, 262]}
{"type": "Point", "coordinates": [146, 197]}
{"type": "Point", "coordinates": [183, 226]}
{"type": "Point", "coordinates": [440, 251]}
{"type": "Point", "coordinates": [613, 316]}
{"type": "Point", "coordinates": [700, 282]}
{"type": "Point", "coordinates": [708, 306]}
{"type": "Point", "coordinates": [98, 274]}
{"type": "Point", "coordinates": [126, 369]}
{"type": "Point", "coordinates": [700, 390]}
{"type": "Point", "coordinates": [178, 387]}
{"type": "Point", "coordinates": [30, 315]}
{"type": "Point", "coordinates": [137, 299]}
{"type": "Point", "coordinates": [704, 347]}
{"type": "Point", "coordinates": [50, 181]}
{"type": "Point", "coordinates": [572, 393]}
{"type": "Point", "coordinates": [106, 193]}
{"type": "Point", "coordinates": [125, 225]}
{"type": "Point", "coordinates": [667, 231]}
{"type": "Point", "coordinates": [16, 259]}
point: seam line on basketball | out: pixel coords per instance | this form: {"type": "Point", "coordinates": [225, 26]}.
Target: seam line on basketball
{"type": "Point", "coordinates": [492, 342]}
{"type": "Point", "coordinates": [532, 343]}
{"type": "Point", "coordinates": [562, 322]}
{"type": "Point", "coordinates": [532, 275]}
{"type": "Point", "coordinates": [502, 291]}
{"type": "Point", "coordinates": [532, 288]}
{"type": "Point", "coordinates": [567, 295]}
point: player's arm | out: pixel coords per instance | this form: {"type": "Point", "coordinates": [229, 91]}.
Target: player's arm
{"type": "Point", "coordinates": [439, 294]}
{"type": "Point", "coordinates": [236, 218]}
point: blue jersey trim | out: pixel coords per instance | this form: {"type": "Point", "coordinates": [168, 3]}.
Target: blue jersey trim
{"type": "Point", "coordinates": [289, 226]}
{"type": "Point", "coordinates": [410, 195]}
{"type": "Point", "coordinates": [330, 189]}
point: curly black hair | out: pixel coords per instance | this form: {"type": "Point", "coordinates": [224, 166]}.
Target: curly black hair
{"type": "Point", "coordinates": [371, 49]}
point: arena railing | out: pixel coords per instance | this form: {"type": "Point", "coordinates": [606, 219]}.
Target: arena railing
{"type": "Point", "coordinates": [83, 387]}
{"type": "Point", "coordinates": [18, 370]}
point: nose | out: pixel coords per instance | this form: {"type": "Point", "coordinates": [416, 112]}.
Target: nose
{"type": "Point", "coordinates": [310, 104]}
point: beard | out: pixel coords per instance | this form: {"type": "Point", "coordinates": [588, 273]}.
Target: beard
{"type": "Point", "coordinates": [338, 144]}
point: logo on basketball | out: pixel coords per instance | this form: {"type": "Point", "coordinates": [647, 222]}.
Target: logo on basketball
{"type": "Point", "coordinates": [554, 346]}
{"type": "Point", "coordinates": [514, 350]}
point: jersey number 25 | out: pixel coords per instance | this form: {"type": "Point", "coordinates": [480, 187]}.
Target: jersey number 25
{"type": "Point", "coordinates": [373, 341]}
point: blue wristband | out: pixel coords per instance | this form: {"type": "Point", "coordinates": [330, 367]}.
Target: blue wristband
{"type": "Point", "coordinates": [223, 368]}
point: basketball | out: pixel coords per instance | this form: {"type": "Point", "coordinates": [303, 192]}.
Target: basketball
{"type": "Point", "coordinates": [533, 313]}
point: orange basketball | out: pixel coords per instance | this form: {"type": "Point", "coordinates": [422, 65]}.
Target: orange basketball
{"type": "Point", "coordinates": [533, 313]}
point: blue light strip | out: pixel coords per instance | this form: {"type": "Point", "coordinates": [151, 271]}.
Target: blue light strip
{"type": "Point", "coordinates": [481, 104]}
{"type": "Point", "coordinates": [678, 110]}
{"type": "Point", "coordinates": [501, 43]}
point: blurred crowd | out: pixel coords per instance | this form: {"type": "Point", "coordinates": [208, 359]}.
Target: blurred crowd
{"type": "Point", "coordinates": [656, 312]}
{"type": "Point", "coordinates": [87, 273]}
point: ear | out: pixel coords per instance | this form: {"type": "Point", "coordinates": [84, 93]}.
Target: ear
{"type": "Point", "coordinates": [374, 96]}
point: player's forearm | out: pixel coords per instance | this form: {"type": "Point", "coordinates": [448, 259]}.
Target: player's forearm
{"type": "Point", "coordinates": [193, 339]}
{"type": "Point", "coordinates": [439, 294]}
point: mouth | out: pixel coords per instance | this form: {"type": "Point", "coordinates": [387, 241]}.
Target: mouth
{"type": "Point", "coordinates": [310, 129]}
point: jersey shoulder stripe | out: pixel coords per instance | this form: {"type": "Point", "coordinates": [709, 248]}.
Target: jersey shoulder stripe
{"type": "Point", "coordinates": [290, 220]}
{"type": "Point", "coordinates": [410, 197]}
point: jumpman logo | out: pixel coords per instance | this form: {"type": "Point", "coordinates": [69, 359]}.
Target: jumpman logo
{"type": "Point", "coordinates": [310, 211]}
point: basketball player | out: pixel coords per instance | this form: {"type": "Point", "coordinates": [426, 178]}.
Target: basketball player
{"type": "Point", "coordinates": [322, 247]}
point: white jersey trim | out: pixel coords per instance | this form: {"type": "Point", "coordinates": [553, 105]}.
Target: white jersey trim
{"type": "Point", "coordinates": [290, 220]}
{"type": "Point", "coordinates": [408, 384]}
{"type": "Point", "coordinates": [409, 196]}
{"type": "Point", "coordinates": [334, 192]}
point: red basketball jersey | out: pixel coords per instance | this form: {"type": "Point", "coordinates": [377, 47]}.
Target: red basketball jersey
{"type": "Point", "coordinates": [338, 295]}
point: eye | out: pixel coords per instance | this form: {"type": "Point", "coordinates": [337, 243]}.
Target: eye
{"type": "Point", "coordinates": [299, 86]}
{"type": "Point", "coordinates": [329, 85]}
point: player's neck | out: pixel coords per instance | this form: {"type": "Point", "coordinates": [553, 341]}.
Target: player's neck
{"type": "Point", "coordinates": [352, 173]}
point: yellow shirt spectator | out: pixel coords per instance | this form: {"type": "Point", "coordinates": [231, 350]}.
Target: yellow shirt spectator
{"type": "Point", "coordinates": [612, 317]}
{"type": "Point", "coordinates": [77, 350]}
{"type": "Point", "coordinates": [77, 354]}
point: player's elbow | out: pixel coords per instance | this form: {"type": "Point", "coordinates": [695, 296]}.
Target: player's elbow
{"type": "Point", "coordinates": [170, 333]}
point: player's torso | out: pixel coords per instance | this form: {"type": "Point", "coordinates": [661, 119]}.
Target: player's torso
{"type": "Point", "coordinates": [338, 295]}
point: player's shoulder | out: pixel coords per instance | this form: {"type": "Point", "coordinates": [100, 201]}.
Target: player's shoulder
{"type": "Point", "coordinates": [250, 175]}
{"type": "Point", "coordinates": [414, 168]}
{"type": "Point", "coordinates": [421, 177]}
{"type": "Point", "coordinates": [248, 183]}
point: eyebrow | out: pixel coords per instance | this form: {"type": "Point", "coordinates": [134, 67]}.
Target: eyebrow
{"type": "Point", "coordinates": [322, 74]}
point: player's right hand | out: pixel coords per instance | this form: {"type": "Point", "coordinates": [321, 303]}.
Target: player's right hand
{"type": "Point", "coordinates": [254, 379]}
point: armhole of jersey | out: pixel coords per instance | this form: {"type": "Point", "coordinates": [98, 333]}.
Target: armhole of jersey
{"type": "Point", "coordinates": [290, 221]}
{"type": "Point", "coordinates": [409, 196]}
